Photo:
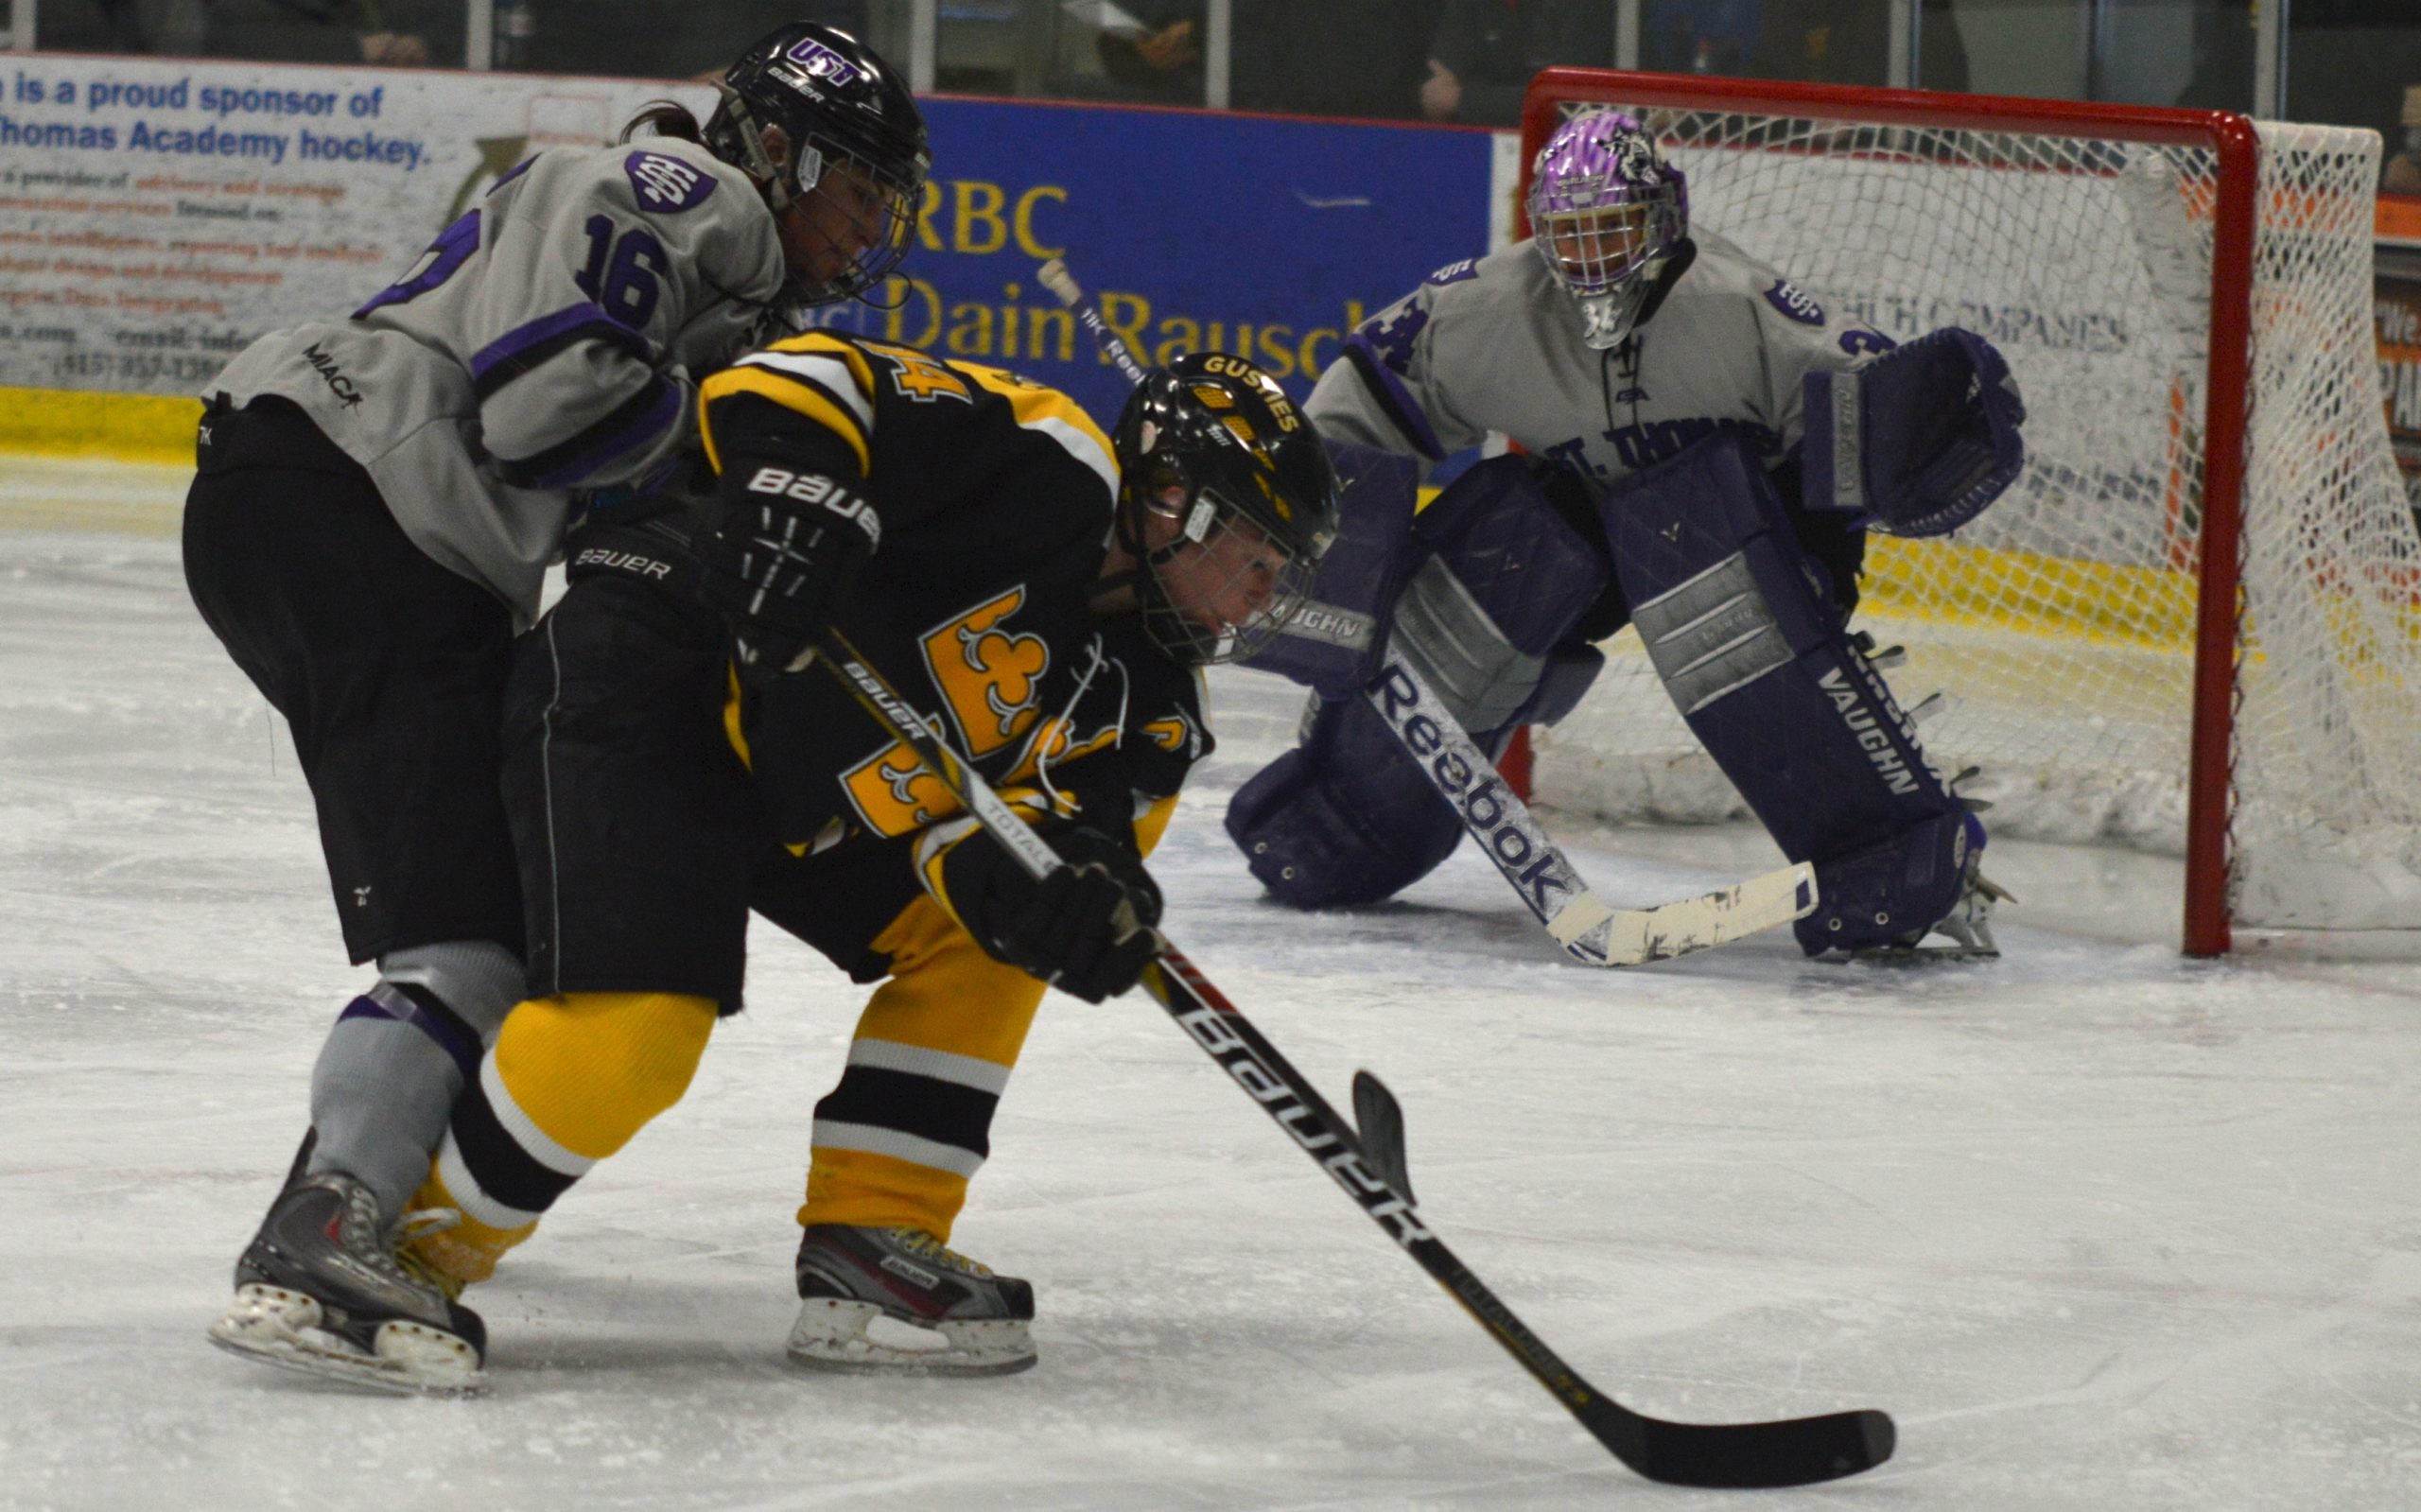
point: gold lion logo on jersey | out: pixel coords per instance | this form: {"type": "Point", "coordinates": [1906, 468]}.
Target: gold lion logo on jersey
{"type": "Point", "coordinates": [991, 677]}
{"type": "Point", "coordinates": [894, 793]}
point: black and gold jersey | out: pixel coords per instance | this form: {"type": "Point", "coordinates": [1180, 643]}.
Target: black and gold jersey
{"type": "Point", "coordinates": [993, 497]}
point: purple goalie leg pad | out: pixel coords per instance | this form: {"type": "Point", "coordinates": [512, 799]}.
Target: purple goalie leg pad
{"type": "Point", "coordinates": [1738, 620]}
{"type": "Point", "coordinates": [1498, 530]}
{"type": "Point", "coordinates": [1349, 818]}
{"type": "Point", "coordinates": [1344, 818]}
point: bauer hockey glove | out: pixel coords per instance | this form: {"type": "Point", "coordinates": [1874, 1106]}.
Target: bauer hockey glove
{"type": "Point", "coordinates": [1085, 929]}
{"type": "Point", "coordinates": [787, 547]}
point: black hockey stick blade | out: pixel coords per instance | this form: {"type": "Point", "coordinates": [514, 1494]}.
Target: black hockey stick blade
{"type": "Point", "coordinates": [1381, 1120]}
{"type": "Point", "coordinates": [1742, 1456]}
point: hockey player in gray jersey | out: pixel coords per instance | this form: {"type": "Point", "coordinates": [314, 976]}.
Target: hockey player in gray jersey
{"type": "Point", "coordinates": [377, 497]}
{"type": "Point", "coordinates": [1706, 446]}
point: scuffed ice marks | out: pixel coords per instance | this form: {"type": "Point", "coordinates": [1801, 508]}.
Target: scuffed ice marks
{"type": "Point", "coordinates": [2102, 1229]}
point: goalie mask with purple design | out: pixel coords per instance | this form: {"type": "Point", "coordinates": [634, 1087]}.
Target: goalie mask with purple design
{"type": "Point", "coordinates": [1607, 213]}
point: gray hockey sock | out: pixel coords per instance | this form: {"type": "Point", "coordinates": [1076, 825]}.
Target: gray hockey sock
{"type": "Point", "coordinates": [389, 1070]}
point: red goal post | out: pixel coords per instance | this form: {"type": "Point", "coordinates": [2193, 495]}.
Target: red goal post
{"type": "Point", "coordinates": [2157, 232]}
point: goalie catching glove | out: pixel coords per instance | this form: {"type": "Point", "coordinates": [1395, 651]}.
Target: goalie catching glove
{"type": "Point", "coordinates": [1085, 928]}
{"type": "Point", "coordinates": [786, 548]}
{"type": "Point", "coordinates": [1918, 441]}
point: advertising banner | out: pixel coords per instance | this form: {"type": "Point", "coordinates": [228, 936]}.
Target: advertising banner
{"type": "Point", "coordinates": [1266, 237]}
{"type": "Point", "coordinates": [156, 215]}
{"type": "Point", "coordinates": [2397, 307]}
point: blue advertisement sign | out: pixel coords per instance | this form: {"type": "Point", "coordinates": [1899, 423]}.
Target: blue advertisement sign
{"type": "Point", "coordinates": [1264, 236]}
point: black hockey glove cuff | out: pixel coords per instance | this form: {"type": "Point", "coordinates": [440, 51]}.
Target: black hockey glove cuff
{"type": "Point", "coordinates": [786, 547]}
{"type": "Point", "coordinates": [1085, 929]}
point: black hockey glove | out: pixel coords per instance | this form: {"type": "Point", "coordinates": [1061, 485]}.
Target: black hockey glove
{"type": "Point", "coordinates": [1085, 929]}
{"type": "Point", "coordinates": [787, 547]}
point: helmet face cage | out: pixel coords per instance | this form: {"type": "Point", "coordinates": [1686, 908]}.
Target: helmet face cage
{"type": "Point", "coordinates": [857, 143]}
{"type": "Point", "coordinates": [1229, 499]}
{"type": "Point", "coordinates": [1234, 562]}
{"type": "Point", "coordinates": [1605, 213]}
{"type": "Point", "coordinates": [861, 193]}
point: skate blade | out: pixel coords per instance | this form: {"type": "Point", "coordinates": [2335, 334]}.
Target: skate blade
{"type": "Point", "coordinates": [1917, 955]}
{"type": "Point", "coordinates": [858, 1338]}
{"type": "Point", "coordinates": [281, 1328]}
{"type": "Point", "coordinates": [1967, 940]}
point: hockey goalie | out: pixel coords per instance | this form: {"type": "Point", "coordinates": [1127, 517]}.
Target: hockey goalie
{"type": "Point", "coordinates": [1703, 450]}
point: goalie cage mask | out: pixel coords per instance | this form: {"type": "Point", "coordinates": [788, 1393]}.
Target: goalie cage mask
{"type": "Point", "coordinates": [845, 112]}
{"type": "Point", "coordinates": [1611, 218]}
{"type": "Point", "coordinates": [1228, 500]}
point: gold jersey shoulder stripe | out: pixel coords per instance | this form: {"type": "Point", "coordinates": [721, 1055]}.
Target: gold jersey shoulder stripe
{"type": "Point", "coordinates": [791, 394]}
{"type": "Point", "coordinates": [825, 345]}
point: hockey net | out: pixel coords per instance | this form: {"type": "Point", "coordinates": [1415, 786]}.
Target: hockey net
{"type": "Point", "coordinates": [2194, 624]}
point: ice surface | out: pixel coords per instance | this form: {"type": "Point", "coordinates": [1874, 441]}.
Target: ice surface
{"type": "Point", "coordinates": [2104, 1228]}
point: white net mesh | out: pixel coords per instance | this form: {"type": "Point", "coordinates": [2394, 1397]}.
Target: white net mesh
{"type": "Point", "coordinates": [2060, 626]}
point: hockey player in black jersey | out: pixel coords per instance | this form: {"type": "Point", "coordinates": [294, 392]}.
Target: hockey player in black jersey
{"type": "Point", "coordinates": [378, 495]}
{"type": "Point", "coordinates": [1045, 596]}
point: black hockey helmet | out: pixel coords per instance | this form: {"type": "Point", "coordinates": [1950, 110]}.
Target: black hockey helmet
{"type": "Point", "coordinates": [1227, 498]}
{"type": "Point", "coordinates": [840, 106]}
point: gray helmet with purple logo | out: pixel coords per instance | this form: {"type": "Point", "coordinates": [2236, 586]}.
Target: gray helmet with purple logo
{"type": "Point", "coordinates": [1610, 216]}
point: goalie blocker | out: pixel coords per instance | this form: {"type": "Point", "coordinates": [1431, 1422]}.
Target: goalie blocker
{"type": "Point", "coordinates": [1741, 623]}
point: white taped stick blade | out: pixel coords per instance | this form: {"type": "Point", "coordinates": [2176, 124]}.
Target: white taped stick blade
{"type": "Point", "coordinates": [1595, 934]}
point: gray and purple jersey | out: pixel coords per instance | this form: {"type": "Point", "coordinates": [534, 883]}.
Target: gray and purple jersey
{"type": "Point", "coordinates": [543, 343]}
{"type": "Point", "coordinates": [1494, 345]}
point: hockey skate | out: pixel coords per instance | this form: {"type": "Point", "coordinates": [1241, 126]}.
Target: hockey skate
{"type": "Point", "coordinates": [893, 1301]}
{"type": "Point", "coordinates": [321, 1290]}
{"type": "Point", "coordinates": [1965, 931]}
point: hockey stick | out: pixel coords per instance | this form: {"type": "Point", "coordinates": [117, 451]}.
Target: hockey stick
{"type": "Point", "coordinates": [1589, 929]}
{"type": "Point", "coordinates": [1381, 1121]}
{"type": "Point", "coordinates": [1797, 1451]}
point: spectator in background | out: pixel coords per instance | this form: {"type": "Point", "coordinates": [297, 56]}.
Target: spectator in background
{"type": "Point", "coordinates": [1699, 36]}
{"type": "Point", "coordinates": [2403, 174]}
{"type": "Point", "coordinates": [1485, 51]}
{"type": "Point", "coordinates": [1849, 41]}
{"type": "Point", "coordinates": [1358, 58]}
{"type": "Point", "coordinates": [1152, 49]}
{"type": "Point", "coordinates": [117, 26]}
{"type": "Point", "coordinates": [652, 39]}
{"type": "Point", "coordinates": [401, 33]}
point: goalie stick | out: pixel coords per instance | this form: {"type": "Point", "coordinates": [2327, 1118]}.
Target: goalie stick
{"type": "Point", "coordinates": [1794, 1451]}
{"type": "Point", "coordinates": [1589, 929]}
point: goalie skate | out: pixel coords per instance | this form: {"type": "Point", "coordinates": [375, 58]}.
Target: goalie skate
{"type": "Point", "coordinates": [321, 1291]}
{"type": "Point", "coordinates": [1965, 932]}
{"type": "Point", "coordinates": [893, 1301]}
